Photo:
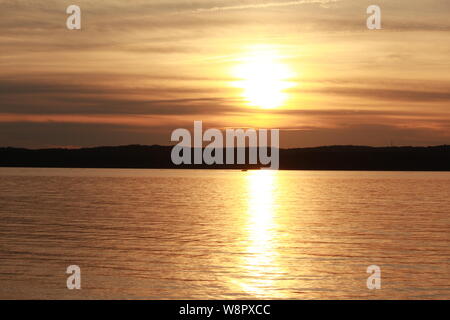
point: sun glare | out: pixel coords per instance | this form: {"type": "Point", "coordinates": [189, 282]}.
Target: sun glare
{"type": "Point", "coordinates": [263, 78]}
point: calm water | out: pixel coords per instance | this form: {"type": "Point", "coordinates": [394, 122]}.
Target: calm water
{"type": "Point", "coordinates": [180, 234]}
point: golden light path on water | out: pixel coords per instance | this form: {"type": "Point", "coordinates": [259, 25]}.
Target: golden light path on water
{"type": "Point", "coordinates": [260, 265]}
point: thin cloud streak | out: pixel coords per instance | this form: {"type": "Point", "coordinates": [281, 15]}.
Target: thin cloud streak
{"type": "Point", "coordinates": [266, 5]}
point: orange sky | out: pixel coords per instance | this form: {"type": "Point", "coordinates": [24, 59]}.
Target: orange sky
{"type": "Point", "coordinates": [138, 70]}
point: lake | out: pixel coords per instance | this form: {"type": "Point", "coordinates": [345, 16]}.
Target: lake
{"type": "Point", "coordinates": [217, 234]}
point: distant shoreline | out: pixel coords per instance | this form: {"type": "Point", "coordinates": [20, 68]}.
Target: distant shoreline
{"type": "Point", "coordinates": [332, 158]}
{"type": "Point", "coordinates": [222, 169]}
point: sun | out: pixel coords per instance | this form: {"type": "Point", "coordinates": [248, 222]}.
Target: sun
{"type": "Point", "coordinates": [263, 79]}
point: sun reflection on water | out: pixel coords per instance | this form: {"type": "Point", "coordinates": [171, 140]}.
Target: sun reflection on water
{"type": "Point", "coordinates": [260, 265]}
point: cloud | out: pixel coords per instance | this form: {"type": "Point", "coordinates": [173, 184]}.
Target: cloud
{"type": "Point", "coordinates": [265, 5]}
{"type": "Point", "coordinates": [364, 134]}
{"type": "Point", "coordinates": [387, 94]}
{"type": "Point", "coordinates": [50, 134]}
{"type": "Point", "coordinates": [55, 96]}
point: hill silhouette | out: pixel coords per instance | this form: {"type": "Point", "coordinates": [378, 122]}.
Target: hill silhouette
{"type": "Point", "coordinates": [435, 158]}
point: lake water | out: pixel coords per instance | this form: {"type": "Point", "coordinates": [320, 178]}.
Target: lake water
{"type": "Point", "coordinates": [206, 234]}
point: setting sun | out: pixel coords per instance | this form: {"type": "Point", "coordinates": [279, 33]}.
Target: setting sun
{"type": "Point", "coordinates": [263, 79]}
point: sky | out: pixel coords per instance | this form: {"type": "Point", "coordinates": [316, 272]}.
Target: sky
{"type": "Point", "coordinates": [137, 70]}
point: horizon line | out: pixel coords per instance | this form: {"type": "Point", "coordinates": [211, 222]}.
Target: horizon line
{"type": "Point", "coordinates": [171, 146]}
